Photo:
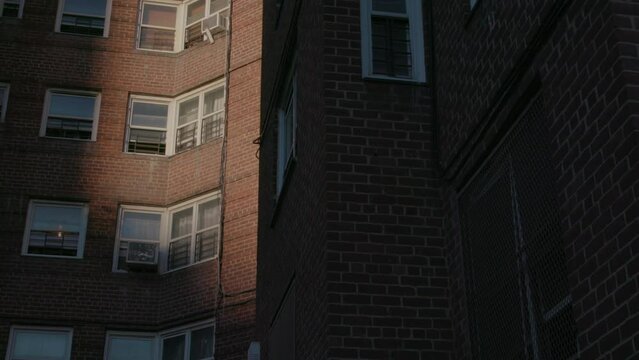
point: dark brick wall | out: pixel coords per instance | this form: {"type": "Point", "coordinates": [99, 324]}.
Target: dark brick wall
{"type": "Point", "coordinates": [372, 270]}
{"type": "Point", "coordinates": [292, 235]}
{"type": "Point", "coordinates": [581, 57]}
{"type": "Point", "coordinates": [84, 293]}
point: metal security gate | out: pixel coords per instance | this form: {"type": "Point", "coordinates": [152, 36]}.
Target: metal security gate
{"type": "Point", "coordinates": [519, 306]}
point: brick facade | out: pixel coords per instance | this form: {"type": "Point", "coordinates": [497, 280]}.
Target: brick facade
{"type": "Point", "coordinates": [369, 227]}
{"type": "Point", "coordinates": [84, 293]}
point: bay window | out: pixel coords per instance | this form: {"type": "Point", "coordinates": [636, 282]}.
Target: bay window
{"type": "Point", "coordinates": [190, 120]}
{"type": "Point", "coordinates": [165, 239]}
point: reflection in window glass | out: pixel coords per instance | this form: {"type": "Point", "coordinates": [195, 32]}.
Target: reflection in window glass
{"type": "Point", "coordinates": [173, 348]}
{"type": "Point", "coordinates": [40, 344]}
{"type": "Point", "coordinates": [71, 116]}
{"type": "Point", "coordinates": [128, 348]}
{"type": "Point", "coordinates": [202, 344]}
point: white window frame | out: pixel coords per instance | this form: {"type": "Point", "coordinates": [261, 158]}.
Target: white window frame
{"type": "Point", "coordinates": [20, 8]}
{"type": "Point", "coordinates": [165, 231]}
{"type": "Point", "coordinates": [128, 335]}
{"type": "Point", "coordinates": [414, 15]}
{"type": "Point", "coordinates": [81, 237]}
{"type": "Point", "coordinates": [47, 104]}
{"type": "Point", "coordinates": [158, 338]}
{"type": "Point", "coordinates": [285, 156]}
{"type": "Point", "coordinates": [4, 100]}
{"type": "Point", "coordinates": [180, 21]}
{"type": "Point", "coordinates": [107, 19]}
{"type": "Point", "coordinates": [178, 24]}
{"type": "Point", "coordinates": [187, 331]}
{"type": "Point", "coordinates": [40, 329]}
{"type": "Point", "coordinates": [194, 231]}
{"type": "Point", "coordinates": [173, 115]}
{"type": "Point", "coordinates": [168, 146]}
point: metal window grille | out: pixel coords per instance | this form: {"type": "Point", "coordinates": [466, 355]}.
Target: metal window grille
{"type": "Point", "coordinates": [10, 8]}
{"type": "Point", "coordinates": [186, 137]}
{"type": "Point", "coordinates": [82, 24]}
{"type": "Point", "coordinates": [519, 305]}
{"type": "Point", "coordinates": [391, 47]}
{"type": "Point", "coordinates": [69, 128]}
{"type": "Point", "coordinates": [206, 244]}
{"type": "Point", "coordinates": [147, 142]}
{"type": "Point", "coordinates": [63, 243]}
{"type": "Point", "coordinates": [179, 255]}
{"type": "Point", "coordinates": [212, 127]}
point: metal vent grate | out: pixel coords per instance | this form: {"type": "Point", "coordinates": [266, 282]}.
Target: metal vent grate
{"type": "Point", "coordinates": [519, 305]}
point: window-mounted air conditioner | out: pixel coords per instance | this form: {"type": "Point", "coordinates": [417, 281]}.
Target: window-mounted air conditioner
{"type": "Point", "coordinates": [213, 24]}
{"type": "Point", "coordinates": [142, 254]}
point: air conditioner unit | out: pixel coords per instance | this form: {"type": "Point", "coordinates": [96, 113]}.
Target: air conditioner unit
{"type": "Point", "coordinates": [213, 24]}
{"type": "Point", "coordinates": [142, 254]}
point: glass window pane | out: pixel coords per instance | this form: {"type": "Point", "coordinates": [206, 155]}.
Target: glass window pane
{"type": "Point", "coordinates": [173, 348]}
{"type": "Point", "coordinates": [213, 101]}
{"type": "Point", "coordinates": [131, 348]}
{"type": "Point", "coordinates": [158, 15]}
{"type": "Point", "coordinates": [206, 244]}
{"type": "Point", "coordinates": [202, 344]}
{"type": "Point", "coordinates": [393, 6]}
{"type": "Point", "coordinates": [140, 226]}
{"type": "Point", "coordinates": [188, 111]}
{"type": "Point", "coordinates": [84, 7]}
{"type": "Point", "coordinates": [40, 344]}
{"type": "Point", "coordinates": [149, 115]}
{"type": "Point", "coordinates": [57, 218]}
{"type": "Point", "coordinates": [157, 39]}
{"type": "Point", "coordinates": [72, 105]}
{"type": "Point", "coordinates": [217, 5]}
{"type": "Point", "coordinates": [181, 223]}
{"type": "Point", "coordinates": [208, 214]}
{"type": "Point", "coordinates": [195, 11]}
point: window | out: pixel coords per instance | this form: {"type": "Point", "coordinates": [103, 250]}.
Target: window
{"type": "Point", "coordinates": [192, 342]}
{"type": "Point", "coordinates": [39, 343]}
{"type": "Point", "coordinates": [148, 124]}
{"type": "Point", "coordinates": [175, 237]}
{"type": "Point", "coordinates": [125, 346]}
{"type": "Point", "coordinates": [287, 123]}
{"type": "Point", "coordinates": [71, 114]}
{"type": "Point", "coordinates": [158, 27]}
{"type": "Point", "coordinates": [84, 17]}
{"type": "Point", "coordinates": [473, 3]}
{"type": "Point", "coordinates": [392, 40]}
{"type": "Point", "coordinates": [194, 233]}
{"type": "Point", "coordinates": [4, 100]}
{"type": "Point", "coordinates": [55, 229]}
{"type": "Point", "coordinates": [172, 26]}
{"type": "Point", "coordinates": [191, 119]}
{"type": "Point", "coordinates": [11, 8]}
{"type": "Point", "coordinates": [197, 343]}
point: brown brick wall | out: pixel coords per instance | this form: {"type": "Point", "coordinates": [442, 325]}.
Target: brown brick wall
{"type": "Point", "coordinates": [85, 293]}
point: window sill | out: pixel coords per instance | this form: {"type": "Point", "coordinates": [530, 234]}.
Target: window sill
{"type": "Point", "coordinates": [89, 36]}
{"type": "Point", "coordinates": [390, 79]}
{"type": "Point", "coordinates": [53, 256]}
{"type": "Point", "coordinates": [72, 139]}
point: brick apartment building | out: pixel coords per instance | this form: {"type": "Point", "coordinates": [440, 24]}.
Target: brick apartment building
{"type": "Point", "coordinates": [449, 180]}
{"type": "Point", "coordinates": [128, 187]}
